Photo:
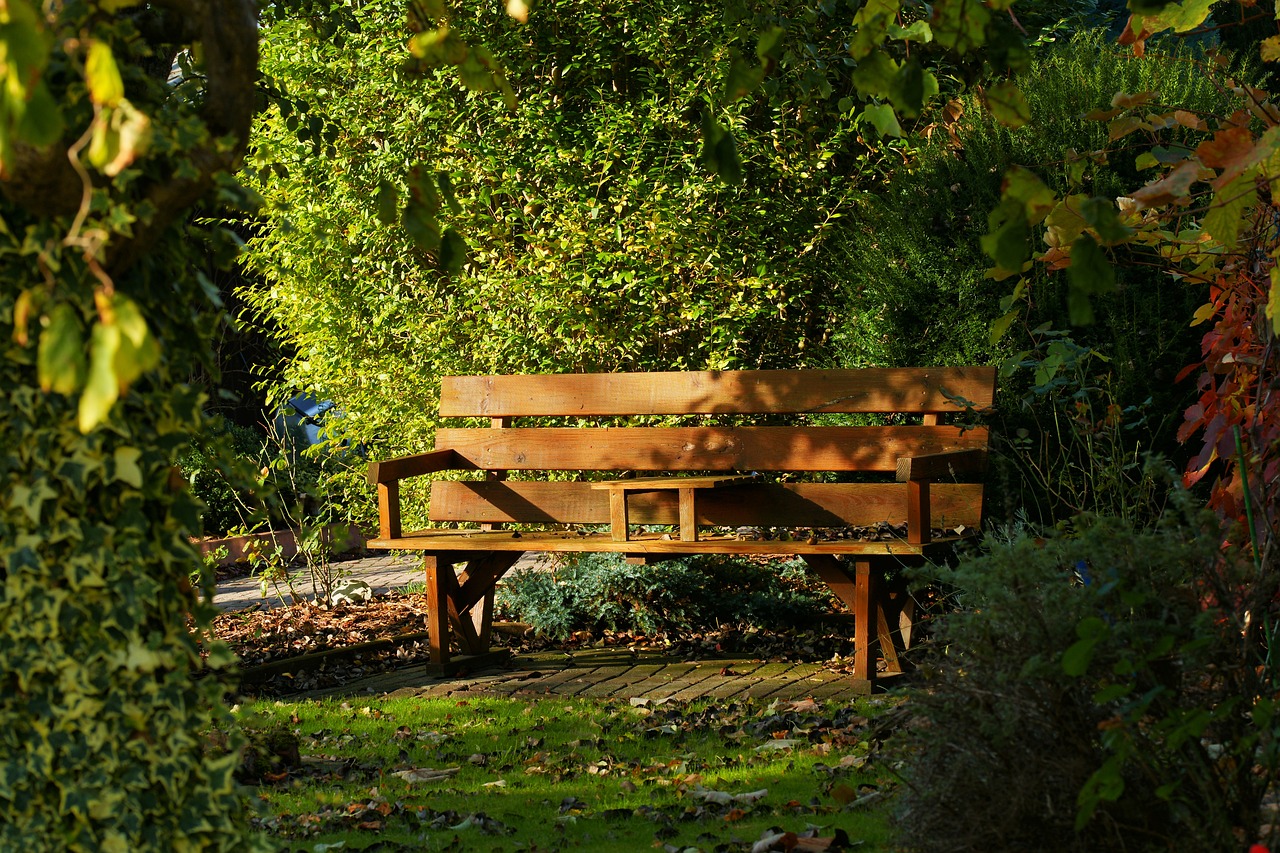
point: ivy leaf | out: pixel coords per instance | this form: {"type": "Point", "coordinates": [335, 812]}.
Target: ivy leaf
{"type": "Point", "coordinates": [1066, 222]}
{"type": "Point", "coordinates": [743, 78]}
{"type": "Point", "coordinates": [960, 25]}
{"type": "Point", "coordinates": [446, 190]}
{"type": "Point", "coordinates": [127, 469]}
{"type": "Point", "coordinates": [720, 150]}
{"type": "Point", "coordinates": [769, 46]}
{"type": "Point", "coordinates": [102, 76]}
{"type": "Point", "coordinates": [1158, 15]}
{"type": "Point", "coordinates": [1025, 187]}
{"type": "Point", "coordinates": [876, 75]}
{"type": "Point", "coordinates": [60, 357]}
{"type": "Point", "coordinates": [138, 350]}
{"type": "Point", "coordinates": [1008, 104]}
{"type": "Point", "coordinates": [883, 119]}
{"type": "Point", "coordinates": [1001, 325]}
{"type": "Point", "coordinates": [102, 389]}
{"type": "Point", "coordinates": [729, 160]}
{"type": "Point", "coordinates": [1269, 49]}
{"type": "Point", "coordinates": [42, 122]}
{"type": "Point", "coordinates": [1232, 150]}
{"type": "Point", "coordinates": [120, 135]}
{"type": "Point", "coordinates": [1076, 659]}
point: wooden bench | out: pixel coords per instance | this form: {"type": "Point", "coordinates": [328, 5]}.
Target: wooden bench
{"type": "Point", "coordinates": [706, 479]}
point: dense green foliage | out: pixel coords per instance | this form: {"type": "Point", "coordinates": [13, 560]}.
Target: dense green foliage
{"type": "Point", "coordinates": [101, 715]}
{"type": "Point", "coordinates": [918, 289]}
{"type": "Point", "coordinates": [1094, 693]}
{"type": "Point", "coordinates": [602, 591]}
{"type": "Point", "coordinates": [595, 239]}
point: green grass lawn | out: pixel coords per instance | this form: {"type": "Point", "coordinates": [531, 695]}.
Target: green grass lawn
{"type": "Point", "coordinates": [509, 774]}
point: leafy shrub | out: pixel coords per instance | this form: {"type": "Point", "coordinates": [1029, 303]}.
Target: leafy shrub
{"type": "Point", "coordinates": [1095, 693]}
{"type": "Point", "coordinates": [601, 591]}
{"type": "Point", "coordinates": [219, 468]}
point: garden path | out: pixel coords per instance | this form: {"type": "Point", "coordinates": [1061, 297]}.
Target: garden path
{"type": "Point", "coordinates": [384, 572]}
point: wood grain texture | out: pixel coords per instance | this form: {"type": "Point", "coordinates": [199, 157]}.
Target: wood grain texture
{"type": "Point", "coordinates": [871, 448]}
{"type": "Point", "coordinates": [645, 484]}
{"type": "Point", "coordinates": [919, 523]}
{"type": "Point", "coordinates": [389, 509]}
{"type": "Point", "coordinates": [454, 545]}
{"type": "Point", "coordinates": [718, 392]}
{"type": "Point", "coordinates": [390, 470]}
{"type": "Point", "coordinates": [757, 504]}
{"type": "Point", "coordinates": [953, 465]}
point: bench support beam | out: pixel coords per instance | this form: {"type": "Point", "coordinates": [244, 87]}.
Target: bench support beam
{"type": "Point", "coordinates": [462, 604]}
{"type": "Point", "coordinates": [861, 592]}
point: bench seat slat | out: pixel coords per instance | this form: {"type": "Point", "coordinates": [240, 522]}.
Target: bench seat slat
{"type": "Point", "coordinates": [904, 389]}
{"type": "Point", "coordinates": [867, 448]}
{"type": "Point", "coordinates": [456, 544]}
{"type": "Point", "coordinates": [764, 505]}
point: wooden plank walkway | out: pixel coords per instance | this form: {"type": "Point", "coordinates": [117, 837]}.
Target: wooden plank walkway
{"type": "Point", "coordinates": [618, 674]}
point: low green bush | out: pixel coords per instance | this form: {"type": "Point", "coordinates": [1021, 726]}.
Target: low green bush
{"type": "Point", "coordinates": [1098, 691]}
{"type": "Point", "coordinates": [602, 591]}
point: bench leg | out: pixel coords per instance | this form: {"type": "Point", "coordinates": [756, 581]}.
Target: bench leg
{"type": "Point", "coordinates": [462, 605]}
{"type": "Point", "coordinates": [439, 580]}
{"type": "Point", "coordinates": [860, 592]}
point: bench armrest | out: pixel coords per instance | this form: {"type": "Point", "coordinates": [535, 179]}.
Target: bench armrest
{"type": "Point", "coordinates": [938, 466]}
{"type": "Point", "coordinates": [403, 467]}
{"type": "Point", "coordinates": [918, 471]}
{"type": "Point", "coordinates": [386, 475]}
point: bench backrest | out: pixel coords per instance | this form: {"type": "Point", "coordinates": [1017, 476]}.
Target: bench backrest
{"type": "Point", "coordinates": [511, 445]}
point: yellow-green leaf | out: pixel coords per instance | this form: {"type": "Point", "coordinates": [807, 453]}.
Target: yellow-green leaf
{"type": "Point", "coordinates": [1008, 104]}
{"type": "Point", "coordinates": [1228, 211]}
{"type": "Point", "coordinates": [1002, 324]}
{"type": "Point", "coordinates": [100, 72]}
{"type": "Point", "coordinates": [60, 359]}
{"type": "Point", "coordinates": [1179, 17]}
{"type": "Point", "coordinates": [139, 351]}
{"type": "Point", "coordinates": [870, 24]}
{"type": "Point", "coordinates": [102, 389]}
{"type": "Point", "coordinates": [882, 118]}
{"type": "Point", "coordinates": [116, 5]}
{"type": "Point", "coordinates": [1206, 311]}
{"type": "Point", "coordinates": [1270, 49]}
{"type": "Point", "coordinates": [127, 468]}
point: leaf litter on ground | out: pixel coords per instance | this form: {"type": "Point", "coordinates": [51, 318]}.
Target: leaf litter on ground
{"type": "Point", "coordinates": [578, 772]}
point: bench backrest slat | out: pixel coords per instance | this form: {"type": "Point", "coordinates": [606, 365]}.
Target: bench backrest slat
{"type": "Point", "coordinates": [771, 505]}
{"type": "Point", "coordinates": [872, 390]}
{"type": "Point", "coordinates": [869, 448]}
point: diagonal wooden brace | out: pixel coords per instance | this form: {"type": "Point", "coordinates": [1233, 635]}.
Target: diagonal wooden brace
{"type": "Point", "coordinates": [860, 593]}
{"type": "Point", "coordinates": [452, 600]}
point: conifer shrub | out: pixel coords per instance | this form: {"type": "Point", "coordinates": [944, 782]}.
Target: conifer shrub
{"type": "Point", "coordinates": [1095, 692]}
{"type": "Point", "coordinates": [602, 591]}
